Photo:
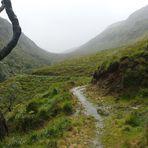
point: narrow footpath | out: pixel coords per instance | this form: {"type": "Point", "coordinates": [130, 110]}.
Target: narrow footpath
{"type": "Point", "coordinates": [91, 110]}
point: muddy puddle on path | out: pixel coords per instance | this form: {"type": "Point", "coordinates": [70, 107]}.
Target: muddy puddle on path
{"type": "Point", "coordinates": [91, 110]}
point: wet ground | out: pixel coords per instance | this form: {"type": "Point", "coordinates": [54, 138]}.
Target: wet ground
{"type": "Point", "coordinates": [91, 110]}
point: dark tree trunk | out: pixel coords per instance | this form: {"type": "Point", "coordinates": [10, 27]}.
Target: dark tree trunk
{"type": "Point", "coordinates": [16, 29]}
{"type": "Point", "coordinates": [3, 127]}
{"type": "Point", "coordinates": [6, 4]}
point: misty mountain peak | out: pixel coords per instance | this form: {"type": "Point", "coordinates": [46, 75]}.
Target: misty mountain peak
{"type": "Point", "coordinates": [118, 34]}
{"type": "Point", "coordinates": [139, 15]}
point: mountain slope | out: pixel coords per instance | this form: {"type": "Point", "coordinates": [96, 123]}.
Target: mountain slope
{"type": "Point", "coordinates": [118, 34]}
{"type": "Point", "coordinates": [85, 66]}
{"type": "Point", "coordinates": [26, 55]}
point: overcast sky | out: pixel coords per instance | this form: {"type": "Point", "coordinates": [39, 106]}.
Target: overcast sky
{"type": "Point", "coordinates": [58, 25]}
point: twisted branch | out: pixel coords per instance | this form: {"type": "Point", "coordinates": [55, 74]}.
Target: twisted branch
{"type": "Point", "coordinates": [16, 29]}
{"type": "Point", "coordinates": [6, 4]}
{"type": "Point", "coordinates": [2, 7]}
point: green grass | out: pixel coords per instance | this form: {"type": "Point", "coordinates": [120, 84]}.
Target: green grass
{"type": "Point", "coordinates": [86, 66]}
{"type": "Point", "coordinates": [126, 127]}
{"type": "Point", "coordinates": [25, 87]}
{"type": "Point", "coordinates": [43, 107]}
{"type": "Point", "coordinates": [127, 122]}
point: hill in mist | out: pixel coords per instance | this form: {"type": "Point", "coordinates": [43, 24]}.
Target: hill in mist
{"type": "Point", "coordinates": [25, 56]}
{"type": "Point", "coordinates": [118, 34]}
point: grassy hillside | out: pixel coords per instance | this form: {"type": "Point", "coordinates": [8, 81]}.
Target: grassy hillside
{"type": "Point", "coordinates": [25, 56]}
{"type": "Point", "coordinates": [126, 73]}
{"type": "Point", "coordinates": [86, 65]}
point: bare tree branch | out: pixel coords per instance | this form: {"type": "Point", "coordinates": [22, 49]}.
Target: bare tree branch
{"type": "Point", "coordinates": [2, 7]}
{"type": "Point", "coordinates": [16, 29]}
{"type": "Point", "coordinates": [6, 4]}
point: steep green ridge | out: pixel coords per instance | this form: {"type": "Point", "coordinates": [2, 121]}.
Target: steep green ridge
{"type": "Point", "coordinates": [25, 56]}
{"type": "Point", "coordinates": [118, 34]}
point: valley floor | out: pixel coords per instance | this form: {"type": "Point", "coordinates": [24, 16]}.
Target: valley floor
{"type": "Point", "coordinates": [46, 114]}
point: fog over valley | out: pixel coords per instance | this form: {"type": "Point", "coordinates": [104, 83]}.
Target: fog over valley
{"type": "Point", "coordinates": [60, 25]}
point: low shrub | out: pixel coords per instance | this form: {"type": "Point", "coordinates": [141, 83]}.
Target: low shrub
{"type": "Point", "coordinates": [27, 122]}
{"type": "Point", "coordinates": [146, 133]}
{"type": "Point", "coordinates": [58, 127]}
{"type": "Point", "coordinates": [67, 108]}
{"type": "Point", "coordinates": [52, 144]}
{"type": "Point", "coordinates": [133, 119]}
{"type": "Point", "coordinates": [15, 143]}
{"type": "Point", "coordinates": [144, 93]}
{"type": "Point", "coordinates": [43, 113]}
{"type": "Point", "coordinates": [32, 139]}
{"type": "Point", "coordinates": [32, 106]}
